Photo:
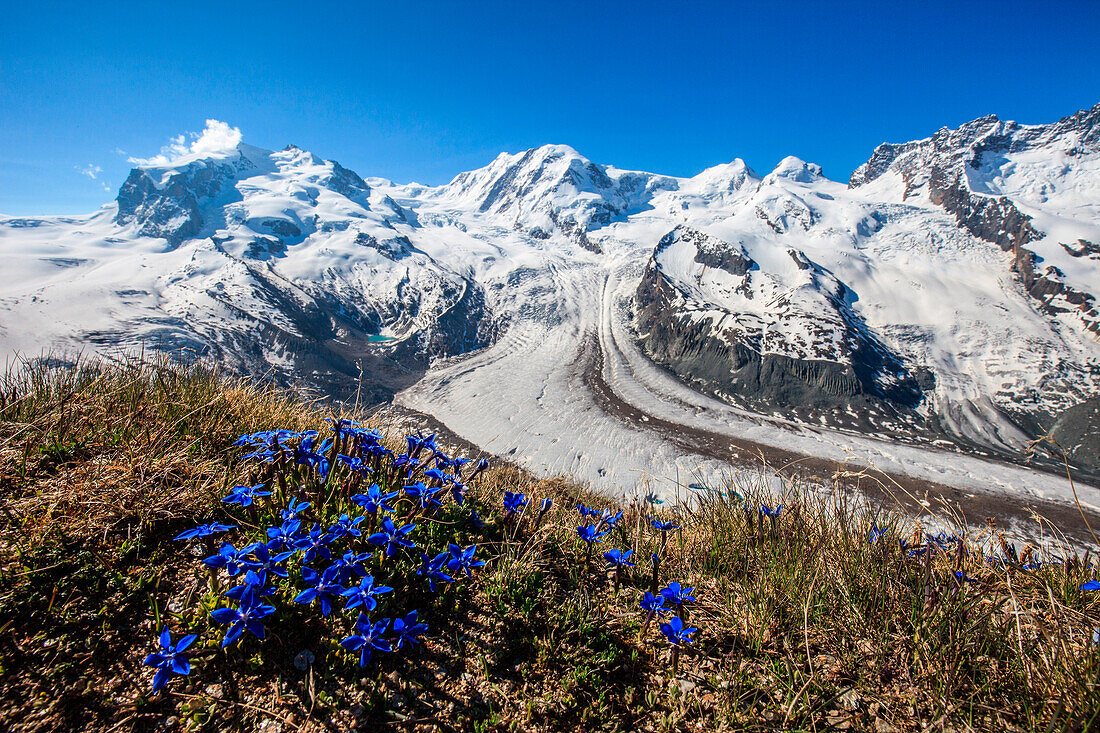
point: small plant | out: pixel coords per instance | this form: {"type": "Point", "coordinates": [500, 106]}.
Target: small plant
{"type": "Point", "coordinates": [170, 660]}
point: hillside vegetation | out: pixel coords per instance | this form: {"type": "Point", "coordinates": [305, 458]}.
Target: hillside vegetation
{"type": "Point", "coordinates": [822, 615]}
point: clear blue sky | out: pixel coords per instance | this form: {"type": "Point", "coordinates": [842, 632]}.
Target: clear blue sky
{"type": "Point", "coordinates": [423, 90]}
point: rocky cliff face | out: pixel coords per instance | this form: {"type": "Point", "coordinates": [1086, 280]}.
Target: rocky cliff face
{"type": "Point", "coordinates": [1077, 433]}
{"type": "Point", "coordinates": [963, 170]}
{"type": "Point", "coordinates": [804, 352]}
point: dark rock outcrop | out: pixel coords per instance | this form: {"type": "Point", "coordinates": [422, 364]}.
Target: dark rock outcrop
{"type": "Point", "coordinates": [171, 209]}
{"type": "Point", "coordinates": [1077, 431]}
{"type": "Point", "coordinates": [870, 383]}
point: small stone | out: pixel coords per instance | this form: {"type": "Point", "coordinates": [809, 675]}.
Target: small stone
{"type": "Point", "coordinates": [850, 700]}
{"type": "Point", "coordinates": [214, 690]}
{"type": "Point", "coordinates": [685, 686]}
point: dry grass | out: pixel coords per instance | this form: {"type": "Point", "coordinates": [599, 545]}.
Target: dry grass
{"type": "Point", "coordinates": [803, 623]}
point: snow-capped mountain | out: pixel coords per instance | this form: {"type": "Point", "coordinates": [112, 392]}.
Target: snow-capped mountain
{"type": "Point", "coordinates": [944, 296]}
{"type": "Point", "coordinates": [276, 263]}
{"type": "Point", "coordinates": [552, 189]}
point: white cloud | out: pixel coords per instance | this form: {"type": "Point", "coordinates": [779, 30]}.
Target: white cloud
{"type": "Point", "coordinates": [120, 151]}
{"type": "Point", "coordinates": [91, 170]}
{"type": "Point", "coordinates": [217, 137]}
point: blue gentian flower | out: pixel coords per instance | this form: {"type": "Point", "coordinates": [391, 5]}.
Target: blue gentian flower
{"type": "Point", "coordinates": [251, 580]}
{"type": "Point", "coordinates": [285, 535]}
{"type": "Point", "coordinates": [663, 526]}
{"type": "Point", "coordinates": [350, 565]}
{"type": "Point", "coordinates": [1091, 585]}
{"type": "Point", "coordinates": [244, 495]}
{"type": "Point", "coordinates": [458, 491]}
{"type": "Point", "coordinates": [374, 500]}
{"type": "Point", "coordinates": [314, 545]}
{"type": "Point", "coordinates": [305, 455]}
{"type": "Point", "coordinates": [407, 629]}
{"type": "Point", "coordinates": [422, 495]}
{"type": "Point", "coordinates": [432, 569]}
{"type": "Point", "coordinates": [246, 617]}
{"type": "Point", "coordinates": [458, 463]}
{"type": "Point", "coordinates": [391, 537]}
{"type": "Point", "coordinates": [205, 530]}
{"type": "Point", "coordinates": [170, 660]}
{"type": "Point", "coordinates": [370, 637]}
{"type": "Point", "coordinates": [340, 425]}
{"type": "Point", "coordinates": [346, 526]}
{"type": "Point", "coordinates": [403, 461]}
{"type": "Point", "coordinates": [875, 534]}
{"type": "Point", "coordinates": [962, 577]}
{"type": "Point", "coordinates": [676, 632]}
{"type": "Point", "coordinates": [230, 558]}
{"type": "Point", "coordinates": [294, 509]}
{"type": "Point", "coordinates": [463, 559]}
{"type": "Point", "coordinates": [674, 593]}
{"type": "Point", "coordinates": [265, 562]}
{"type": "Point", "coordinates": [435, 474]}
{"type": "Point", "coordinates": [944, 540]}
{"type": "Point", "coordinates": [654, 603]}
{"type": "Point", "coordinates": [269, 444]}
{"type": "Point", "coordinates": [610, 519]}
{"type": "Point", "coordinates": [514, 501]}
{"type": "Point", "coordinates": [589, 534]}
{"type": "Point", "coordinates": [586, 512]}
{"type": "Point", "coordinates": [364, 593]}
{"type": "Point", "coordinates": [619, 558]}
{"type": "Point", "coordinates": [771, 513]}
{"type": "Point", "coordinates": [545, 505]}
{"type": "Point", "coordinates": [481, 465]}
{"type": "Point", "coordinates": [355, 464]}
{"type": "Point", "coordinates": [265, 438]}
{"type": "Point", "coordinates": [325, 587]}
{"type": "Point", "coordinates": [475, 520]}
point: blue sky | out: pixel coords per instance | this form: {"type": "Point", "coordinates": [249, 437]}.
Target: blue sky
{"type": "Point", "coordinates": [423, 90]}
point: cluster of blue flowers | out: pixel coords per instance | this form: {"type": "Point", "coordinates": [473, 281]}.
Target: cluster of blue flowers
{"type": "Point", "coordinates": [670, 600]}
{"type": "Point", "coordinates": [302, 558]}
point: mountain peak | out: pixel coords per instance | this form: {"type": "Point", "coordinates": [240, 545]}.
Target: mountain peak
{"type": "Point", "coordinates": [795, 169]}
{"type": "Point", "coordinates": [180, 197]}
{"type": "Point", "coordinates": [951, 151]}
